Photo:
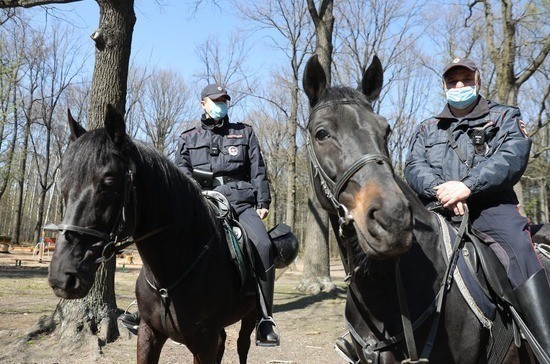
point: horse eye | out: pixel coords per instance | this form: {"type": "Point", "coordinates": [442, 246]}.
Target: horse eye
{"type": "Point", "coordinates": [322, 134]}
{"type": "Point", "coordinates": [109, 181]}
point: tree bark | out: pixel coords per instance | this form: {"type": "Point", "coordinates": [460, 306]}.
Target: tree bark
{"type": "Point", "coordinates": [23, 165]}
{"type": "Point", "coordinates": [316, 276]}
{"type": "Point", "coordinates": [113, 41]}
{"type": "Point", "coordinates": [323, 19]}
{"type": "Point", "coordinates": [503, 54]}
{"type": "Point", "coordinates": [291, 183]}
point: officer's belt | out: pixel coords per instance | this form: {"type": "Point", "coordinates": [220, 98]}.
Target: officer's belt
{"type": "Point", "coordinates": [223, 180]}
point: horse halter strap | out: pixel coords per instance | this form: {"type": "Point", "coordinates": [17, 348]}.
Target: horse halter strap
{"type": "Point", "coordinates": [331, 188]}
{"type": "Point", "coordinates": [111, 242]}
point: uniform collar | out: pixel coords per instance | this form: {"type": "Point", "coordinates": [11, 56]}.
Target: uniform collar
{"type": "Point", "coordinates": [479, 111]}
{"type": "Point", "coordinates": [225, 122]}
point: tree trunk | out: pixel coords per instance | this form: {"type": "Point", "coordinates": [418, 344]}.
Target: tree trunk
{"type": "Point", "coordinates": [11, 87]}
{"type": "Point", "coordinates": [316, 276]}
{"type": "Point", "coordinates": [324, 26]}
{"type": "Point", "coordinates": [291, 183]}
{"type": "Point", "coordinates": [113, 40]}
{"type": "Point", "coordinates": [543, 200]}
{"type": "Point", "coordinates": [22, 171]}
{"type": "Point", "coordinates": [502, 51]}
{"type": "Point", "coordinates": [75, 320]}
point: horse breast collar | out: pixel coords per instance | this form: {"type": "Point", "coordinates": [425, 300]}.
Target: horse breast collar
{"type": "Point", "coordinates": [331, 188]}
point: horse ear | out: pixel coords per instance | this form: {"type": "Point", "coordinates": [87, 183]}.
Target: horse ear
{"type": "Point", "coordinates": [373, 78]}
{"type": "Point", "coordinates": [76, 129]}
{"type": "Point", "coordinates": [314, 81]}
{"type": "Point", "coordinates": [114, 124]}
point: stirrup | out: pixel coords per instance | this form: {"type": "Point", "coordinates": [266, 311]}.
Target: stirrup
{"type": "Point", "coordinates": [132, 328]}
{"type": "Point", "coordinates": [345, 349]}
{"type": "Point", "coordinates": [274, 325]}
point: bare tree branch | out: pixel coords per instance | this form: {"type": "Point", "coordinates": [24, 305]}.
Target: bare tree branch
{"type": "Point", "coordinates": [31, 3]}
{"type": "Point", "coordinates": [535, 65]}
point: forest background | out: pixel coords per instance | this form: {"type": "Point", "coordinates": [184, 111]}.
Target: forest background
{"type": "Point", "coordinates": [152, 58]}
{"type": "Point", "coordinates": [258, 50]}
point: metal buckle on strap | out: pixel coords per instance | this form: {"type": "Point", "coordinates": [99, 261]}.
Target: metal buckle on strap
{"type": "Point", "coordinates": [218, 181]}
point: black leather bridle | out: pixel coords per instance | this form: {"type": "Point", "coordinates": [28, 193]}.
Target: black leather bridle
{"type": "Point", "coordinates": [113, 242]}
{"type": "Point", "coordinates": [332, 188]}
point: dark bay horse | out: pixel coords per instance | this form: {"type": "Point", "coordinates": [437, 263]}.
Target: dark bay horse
{"type": "Point", "coordinates": [383, 229]}
{"type": "Point", "coordinates": [188, 289]}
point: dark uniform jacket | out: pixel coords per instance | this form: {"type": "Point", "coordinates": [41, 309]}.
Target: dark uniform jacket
{"type": "Point", "coordinates": [493, 147]}
{"type": "Point", "coordinates": [238, 165]}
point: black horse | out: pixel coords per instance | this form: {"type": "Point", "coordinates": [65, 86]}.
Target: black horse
{"type": "Point", "coordinates": [188, 289]}
{"type": "Point", "coordinates": [384, 229]}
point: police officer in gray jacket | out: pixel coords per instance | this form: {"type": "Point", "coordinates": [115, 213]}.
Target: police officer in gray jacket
{"type": "Point", "coordinates": [474, 152]}
{"type": "Point", "coordinates": [231, 152]}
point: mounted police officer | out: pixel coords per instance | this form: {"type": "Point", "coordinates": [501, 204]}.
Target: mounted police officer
{"type": "Point", "coordinates": [473, 153]}
{"type": "Point", "coordinates": [230, 153]}
{"type": "Point", "coordinates": [226, 157]}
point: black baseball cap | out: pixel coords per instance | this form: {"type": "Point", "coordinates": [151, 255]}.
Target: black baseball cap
{"type": "Point", "coordinates": [214, 91]}
{"type": "Point", "coordinates": [460, 62]}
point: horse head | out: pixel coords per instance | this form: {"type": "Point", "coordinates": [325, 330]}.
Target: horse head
{"type": "Point", "coordinates": [96, 183]}
{"type": "Point", "coordinates": [352, 172]}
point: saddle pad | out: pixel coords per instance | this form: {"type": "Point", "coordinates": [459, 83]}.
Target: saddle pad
{"type": "Point", "coordinates": [236, 252]}
{"type": "Point", "coordinates": [469, 287]}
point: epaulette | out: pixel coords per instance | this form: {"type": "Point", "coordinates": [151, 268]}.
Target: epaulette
{"type": "Point", "coordinates": [195, 125]}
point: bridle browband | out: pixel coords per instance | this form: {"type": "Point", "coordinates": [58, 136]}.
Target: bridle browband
{"type": "Point", "coordinates": [112, 243]}
{"type": "Point", "coordinates": [330, 187]}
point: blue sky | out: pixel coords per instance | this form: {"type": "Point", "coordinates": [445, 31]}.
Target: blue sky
{"type": "Point", "coordinates": [165, 37]}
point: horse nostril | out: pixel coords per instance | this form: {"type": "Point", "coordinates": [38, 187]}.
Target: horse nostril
{"type": "Point", "coordinates": [72, 282]}
{"type": "Point", "coordinates": [373, 208]}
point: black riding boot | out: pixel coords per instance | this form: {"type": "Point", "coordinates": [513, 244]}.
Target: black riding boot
{"type": "Point", "coordinates": [533, 298]}
{"type": "Point", "coordinates": [265, 333]}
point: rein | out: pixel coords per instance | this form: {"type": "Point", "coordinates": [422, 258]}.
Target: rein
{"type": "Point", "coordinates": [111, 243]}
{"type": "Point", "coordinates": [371, 348]}
{"type": "Point", "coordinates": [332, 188]}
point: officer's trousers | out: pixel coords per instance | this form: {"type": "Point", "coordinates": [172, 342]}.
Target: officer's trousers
{"type": "Point", "coordinates": [510, 230]}
{"type": "Point", "coordinates": [257, 232]}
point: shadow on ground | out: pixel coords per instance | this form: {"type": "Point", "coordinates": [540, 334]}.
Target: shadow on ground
{"type": "Point", "coordinates": [303, 301]}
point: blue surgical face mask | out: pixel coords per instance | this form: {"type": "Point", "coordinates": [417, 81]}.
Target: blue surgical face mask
{"type": "Point", "coordinates": [218, 110]}
{"type": "Point", "coordinates": [461, 97]}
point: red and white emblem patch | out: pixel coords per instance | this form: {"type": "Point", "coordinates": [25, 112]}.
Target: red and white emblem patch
{"type": "Point", "coordinates": [232, 150]}
{"type": "Point", "coordinates": [522, 128]}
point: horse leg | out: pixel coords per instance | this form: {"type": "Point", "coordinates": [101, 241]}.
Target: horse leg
{"type": "Point", "coordinates": [248, 324]}
{"type": "Point", "coordinates": [149, 344]}
{"type": "Point", "coordinates": [221, 346]}
{"type": "Point", "coordinates": [206, 349]}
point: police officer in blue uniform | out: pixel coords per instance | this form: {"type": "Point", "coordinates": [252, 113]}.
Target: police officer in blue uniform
{"type": "Point", "coordinates": [473, 153]}
{"type": "Point", "coordinates": [231, 152]}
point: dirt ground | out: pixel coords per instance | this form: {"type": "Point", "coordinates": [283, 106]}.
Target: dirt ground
{"type": "Point", "coordinates": [308, 324]}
